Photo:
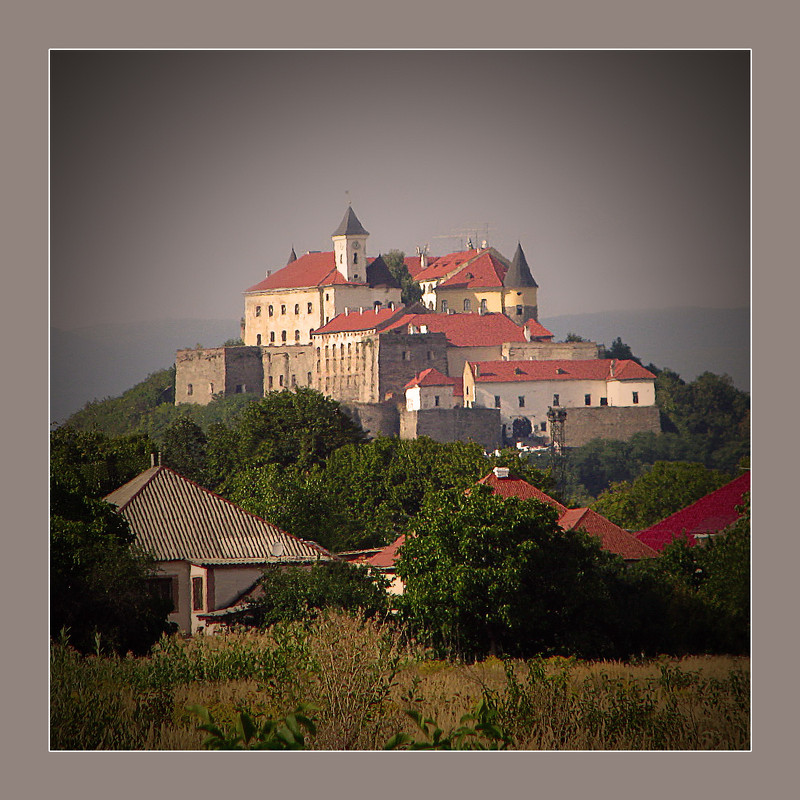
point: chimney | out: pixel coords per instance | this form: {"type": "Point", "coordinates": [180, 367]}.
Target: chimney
{"type": "Point", "coordinates": [346, 310]}
{"type": "Point", "coordinates": [527, 331]}
{"type": "Point", "coordinates": [477, 370]}
{"type": "Point", "coordinates": [613, 364]}
{"type": "Point", "coordinates": [152, 460]}
{"type": "Point", "coordinates": [361, 309]}
{"type": "Point", "coordinates": [500, 472]}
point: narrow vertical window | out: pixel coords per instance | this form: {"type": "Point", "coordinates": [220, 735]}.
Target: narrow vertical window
{"type": "Point", "coordinates": [258, 311]}
{"type": "Point", "coordinates": [587, 399]}
{"type": "Point", "coordinates": [272, 337]}
{"type": "Point", "coordinates": [603, 401]}
{"type": "Point", "coordinates": [555, 400]}
{"type": "Point", "coordinates": [297, 308]}
{"type": "Point", "coordinates": [258, 338]}
{"type": "Point", "coordinates": [270, 310]}
{"type": "Point", "coordinates": [310, 307]}
{"type": "Point", "coordinates": [467, 304]}
{"type": "Point", "coordinates": [297, 336]}
{"type": "Point", "coordinates": [436, 399]}
{"type": "Point", "coordinates": [635, 398]}
{"type": "Point", "coordinates": [190, 389]}
{"type": "Point", "coordinates": [497, 401]}
{"type": "Point", "coordinates": [197, 594]}
{"type": "Point", "coordinates": [521, 400]}
{"type": "Point", "coordinates": [283, 336]}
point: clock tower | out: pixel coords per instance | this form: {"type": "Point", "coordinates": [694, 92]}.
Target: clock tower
{"type": "Point", "coordinates": [350, 248]}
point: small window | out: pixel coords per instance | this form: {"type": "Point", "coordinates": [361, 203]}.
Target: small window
{"type": "Point", "coordinates": [436, 399]}
{"type": "Point", "coordinates": [165, 589]}
{"type": "Point", "coordinates": [430, 355]}
{"type": "Point", "coordinates": [483, 304]}
{"type": "Point", "coordinates": [283, 336]}
{"type": "Point", "coordinates": [341, 261]}
{"type": "Point", "coordinates": [270, 381]}
{"type": "Point", "coordinates": [521, 400]}
{"type": "Point", "coordinates": [519, 311]}
{"type": "Point", "coordinates": [258, 339]}
{"type": "Point", "coordinates": [326, 295]}
{"type": "Point", "coordinates": [270, 310]}
{"type": "Point", "coordinates": [467, 304]}
{"type": "Point", "coordinates": [603, 401]}
{"type": "Point", "coordinates": [272, 337]}
{"type": "Point", "coordinates": [497, 401]}
{"type": "Point", "coordinates": [258, 311]}
{"type": "Point", "coordinates": [543, 426]}
{"type": "Point", "coordinates": [406, 355]}
{"type": "Point", "coordinates": [297, 336]}
{"type": "Point", "coordinates": [430, 305]}
{"type": "Point", "coordinates": [280, 380]}
{"type": "Point", "coordinates": [211, 388]}
{"type": "Point", "coordinates": [190, 389]}
{"type": "Point", "coordinates": [355, 276]}
{"type": "Point", "coordinates": [308, 379]}
{"type": "Point", "coordinates": [636, 398]}
{"type": "Point", "coordinates": [355, 258]}
{"type": "Point", "coordinates": [444, 306]}
{"type": "Point", "coordinates": [283, 309]}
{"type": "Point", "coordinates": [555, 400]}
{"type": "Point", "coordinates": [297, 308]}
{"type": "Point", "coordinates": [239, 388]}
{"type": "Point", "coordinates": [587, 399]}
{"type": "Point", "coordinates": [310, 308]}
{"type": "Point", "coordinates": [294, 380]}
{"type": "Point", "coordinates": [197, 594]}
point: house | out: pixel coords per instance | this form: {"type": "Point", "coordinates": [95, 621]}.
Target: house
{"type": "Point", "coordinates": [208, 550]}
{"type": "Point", "coordinates": [604, 398]}
{"type": "Point", "coordinates": [431, 389]}
{"type": "Point", "coordinates": [612, 538]}
{"type": "Point", "coordinates": [384, 561]}
{"type": "Point", "coordinates": [705, 517]}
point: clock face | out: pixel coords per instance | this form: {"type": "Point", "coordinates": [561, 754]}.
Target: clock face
{"type": "Point", "coordinates": [356, 245]}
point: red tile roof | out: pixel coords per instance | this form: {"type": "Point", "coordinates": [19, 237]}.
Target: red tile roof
{"type": "Point", "coordinates": [708, 515]}
{"type": "Point", "coordinates": [486, 271]}
{"type": "Point", "coordinates": [354, 321]}
{"type": "Point", "coordinates": [413, 265]}
{"type": "Point", "coordinates": [558, 370]}
{"type": "Point", "coordinates": [387, 557]}
{"type": "Point", "coordinates": [312, 269]}
{"type": "Point", "coordinates": [612, 537]}
{"type": "Point", "coordinates": [443, 265]}
{"type": "Point", "coordinates": [467, 330]}
{"type": "Point", "coordinates": [430, 377]}
{"type": "Point", "coordinates": [537, 330]}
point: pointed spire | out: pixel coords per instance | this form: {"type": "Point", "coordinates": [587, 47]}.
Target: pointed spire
{"type": "Point", "coordinates": [292, 257]}
{"type": "Point", "coordinates": [350, 226]}
{"type": "Point", "coordinates": [519, 273]}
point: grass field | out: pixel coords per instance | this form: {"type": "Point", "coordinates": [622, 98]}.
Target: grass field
{"type": "Point", "coordinates": [363, 681]}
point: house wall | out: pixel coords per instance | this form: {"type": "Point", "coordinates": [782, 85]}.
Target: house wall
{"type": "Point", "coordinates": [230, 581]}
{"type": "Point", "coordinates": [290, 321]}
{"type": "Point", "coordinates": [620, 393]}
{"type": "Point", "coordinates": [401, 356]}
{"type": "Point", "coordinates": [199, 375]}
{"type": "Point", "coordinates": [521, 304]}
{"type": "Point", "coordinates": [420, 398]}
{"type": "Point", "coordinates": [481, 425]}
{"type": "Point", "coordinates": [179, 571]}
{"type": "Point", "coordinates": [455, 299]}
{"type": "Point", "coordinates": [287, 367]}
{"type": "Point", "coordinates": [547, 351]}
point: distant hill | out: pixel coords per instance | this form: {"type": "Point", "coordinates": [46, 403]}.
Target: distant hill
{"type": "Point", "coordinates": [689, 341]}
{"type": "Point", "coordinates": [105, 360]}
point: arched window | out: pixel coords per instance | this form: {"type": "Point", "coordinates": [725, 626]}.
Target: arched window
{"type": "Point", "coordinates": [283, 309]}
{"type": "Point", "coordinates": [269, 310]}
{"type": "Point", "coordinates": [258, 311]}
{"type": "Point", "coordinates": [467, 304]}
{"type": "Point", "coordinates": [258, 339]}
{"type": "Point", "coordinates": [297, 336]}
{"type": "Point", "coordinates": [272, 337]}
{"type": "Point", "coordinates": [190, 389]}
{"type": "Point", "coordinates": [355, 258]}
{"type": "Point", "coordinates": [297, 308]}
{"type": "Point", "coordinates": [283, 336]}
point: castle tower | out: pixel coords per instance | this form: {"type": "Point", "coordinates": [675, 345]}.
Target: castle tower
{"type": "Point", "coordinates": [350, 247]}
{"type": "Point", "coordinates": [520, 302]}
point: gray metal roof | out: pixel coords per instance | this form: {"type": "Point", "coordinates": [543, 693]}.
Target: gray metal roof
{"type": "Point", "coordinates": [350, 226]}
{"type": "Point", "coordinates": [178, 520]}
{"type": "Point", "coordinates": [519, 273]}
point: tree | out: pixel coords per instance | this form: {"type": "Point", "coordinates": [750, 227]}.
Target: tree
{"type": "Point", "coordinates": [484, 574]}
{"type": "Point", "coordinates": [184, 449]}
{"type": "Point", "coordinates": [98, 582]}
{"type": "Point", "coordinates": [619, 350]}
{"type": "Point", "coordinates": [573, 337]}
{"type": "Point", "coordinates": [411, 291]}
{"type": "Point", "coordinates": [295, 593]}
{"type": "Point", "coordinates": [660, 491]}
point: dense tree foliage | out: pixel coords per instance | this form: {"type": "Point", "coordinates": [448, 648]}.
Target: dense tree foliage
{"type": "Point", "coordinates": [296, 594]}
{"type": "Point", "coordinates": [662, 490]}
{"type": "Point", "coordinates": [619, 350]}
{"type": "Point", "coordinates": [184, 449]}
{"type": "Point", "coordinates": [487, 575]}
{"type": "Point", "coordinates": [411, 291]}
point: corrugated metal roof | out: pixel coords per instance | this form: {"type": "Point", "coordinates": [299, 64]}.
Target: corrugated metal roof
{"type": "Point", "coordinates": [178, 520]}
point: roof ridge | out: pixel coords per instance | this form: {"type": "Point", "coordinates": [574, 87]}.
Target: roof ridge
{"type": "Point", "coordinates": [156, 468]}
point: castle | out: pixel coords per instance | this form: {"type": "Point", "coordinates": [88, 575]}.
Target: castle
{"type": "Point", "coordinates": [470, 361]}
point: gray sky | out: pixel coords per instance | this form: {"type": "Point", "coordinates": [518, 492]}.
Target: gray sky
{"type": "Point", "coordinates": [179, 177]}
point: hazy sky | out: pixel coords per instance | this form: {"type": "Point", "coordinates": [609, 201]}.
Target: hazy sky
{"type": "Point", "coordinates": [179, 177]}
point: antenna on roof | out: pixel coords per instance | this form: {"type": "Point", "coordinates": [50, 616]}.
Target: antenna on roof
{"type": "Point", "coordinates": [277, 548]}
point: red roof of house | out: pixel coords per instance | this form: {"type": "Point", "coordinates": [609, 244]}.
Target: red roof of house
{"type": "Point", "coordinates": [430, 377]}
{"type": "Point", "coordinates": [466, 330]}
{"type": "Point", "coordinates": [443, 265]}
{"type": "Point", "coordinates": [708, 515]}
{"type": "Point", "coordinates": [516, 487]}
{"type": "Point", "coordinates": [537, 330]}
{"type": "Point", "coordinates": [354, 321]}
{"type": "Point", "coordinates": [312, 269]}
{"type": "Point", "coordinates": [387, 557]}
{"type": "Point", "coordinates": [486, 271]}
{"type": "Point", "coordinates": [413, 265]}
{"type": "Point", "coordinates": [612, 537]}
{"type": "Point", "coordinates": [558, 370]}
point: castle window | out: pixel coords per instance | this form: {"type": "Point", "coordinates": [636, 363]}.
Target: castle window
{"type": "Point", "coordinates": [444, 306]}
{"type": "Point", "coordinates": [436, 399]}
{"type": "Point", "coordinates": [297, 308]}
{"type": "Point", "coordinates": [270, 382]}
{"type": "Point", "coordinates": [211, 388]}
{"type": "Point", "coordinates": [283, 336]}
{"type": "Point", "coordinates": [308, 379]}
{"type": "Point", "coordinates": [197, 594]}
{"type": "Point", "coordinates": [603, 401]}
{"type": "Point", "coordinates": [355, 258]}
{"type": "Point", "coordinates": [269, 310]}
{"type": "Point", "coordinates": [555, 400]}
{"type": "Point", "coordinates": [430, 305]}
{"type": "Point", "coordinates": [519, 311]}
{"type": "Point", "coordinates": [258, 311]}
{"type": "Point", "coordinates": [283, 309]}
{"type": "Point", "coordinates": [543, 426]}
{"type": "Point", "coordinates": [497, 401]}
{"type": "Point", "coordinates": [521, 400]}
{"type": "Point", "coordinates": [272, 337]}
{"type": "Point", "coordinates": [310, 307]}
{"type": "Point", "coordinates": [258, 339]}
{"type": "Point", "coordinates": [294, 380]}
{"type": "Point", "coordinates": [341, 261]}
{"type": "Point", "coordinates": [239, 388]}
{"type": "Point", "coordinates": [190, 389]}
{"type": "Point", "coordinates": [636, 398]}
{"type": "Point", "coordinates": [326, 295]}
{"type": "Point", "coordinates": [297, 336]}
{"type": "Point", "coordinates": [280, 380]}
{"type": "Point", "coordinates": [355, 276]}
{"type": "Point", "coordinates": [430, 355]}
{"type": "Point", "coordinates": [406, 355]}
{"type": "Point", "coordinates": [587, 399]}
{"type": "Point", "coordinates": [483, 304]}
{"type": "Point", "coordinates": [467, 304]}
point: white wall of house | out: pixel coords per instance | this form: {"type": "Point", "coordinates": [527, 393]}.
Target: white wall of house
{"type": "Point", "coordinates": [621, 393]}
{"type": "Point", "coordinates": [230, 581]}
{"type": "Point", "coordinates": [421, 398]}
